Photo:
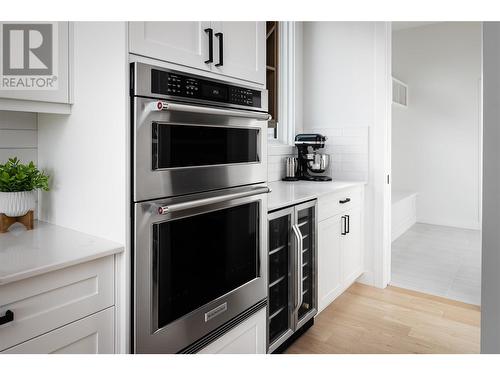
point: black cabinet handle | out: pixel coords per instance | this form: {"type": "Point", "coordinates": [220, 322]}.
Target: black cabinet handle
{"type": "Point", "coordinates": [8, 317]}
{"type": "Point", "coordinates": [210, 32]}
{"type": "Point", "coordinates": [343, 224]}
{"type": "Point", "coordinates": [220, 36]}
{"type": "Point", "coordinates": [342, 201]}
{"type": "Point", "coordinates": [348, 223]}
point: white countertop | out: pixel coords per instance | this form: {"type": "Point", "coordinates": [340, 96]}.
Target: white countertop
{"type": "Point", "coordinates": [289, 193]}
{"type": "Point", "coordinates": [27, 253]}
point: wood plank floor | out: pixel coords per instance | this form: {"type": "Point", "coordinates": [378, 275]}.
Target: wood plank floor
{"type": "Point", "coordinates": [365, 319]}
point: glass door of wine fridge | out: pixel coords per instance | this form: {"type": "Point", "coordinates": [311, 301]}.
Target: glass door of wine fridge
{"type": "Point", "coordinates": [281, 282]}
{"type": "Point", "coordinates": [292, 278]}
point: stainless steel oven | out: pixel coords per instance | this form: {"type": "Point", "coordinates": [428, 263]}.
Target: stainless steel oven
{"type": "Point", "coordinates": [199, 262]}
{"type": "Point", "coordinates": [192, 134]}
{"type": "Point", "coordinates": [200, 204]}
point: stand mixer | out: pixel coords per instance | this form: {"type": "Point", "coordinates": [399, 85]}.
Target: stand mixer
{"type": "Point", "coordinates": [311, 165]}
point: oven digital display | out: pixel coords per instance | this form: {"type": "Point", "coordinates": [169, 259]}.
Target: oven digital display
{"type": "Point", "coordinates": [214, 92]}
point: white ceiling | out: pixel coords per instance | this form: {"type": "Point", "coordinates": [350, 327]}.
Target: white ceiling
{"type": "Point", "coordinates": [396, 26]}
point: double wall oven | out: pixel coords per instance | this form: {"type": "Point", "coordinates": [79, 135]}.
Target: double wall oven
{"type": "Point", "coordinates": [199, 202]}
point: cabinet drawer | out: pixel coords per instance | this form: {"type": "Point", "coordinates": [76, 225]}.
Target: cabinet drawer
{"type": "Point", "coordinates": [91, 335]}
{"type": "Point", "coordinates": [330, 205]}
{"type": "Point", "coordinates": [247, 338]}
{"type": "Point", "coordinates": [43, 303]}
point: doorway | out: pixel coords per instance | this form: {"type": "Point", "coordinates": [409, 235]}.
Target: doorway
{"type": "Point", "coordinates": [436, 159]}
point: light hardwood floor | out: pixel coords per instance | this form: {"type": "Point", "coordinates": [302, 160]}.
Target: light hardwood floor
{"type": "Point", "coordinates": [365, 319]}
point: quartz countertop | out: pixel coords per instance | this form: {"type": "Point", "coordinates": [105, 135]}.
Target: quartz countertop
{"type": "Point", "coordinates": [27, 253]}
{"type": "Point", "coordinates": [286, 193]}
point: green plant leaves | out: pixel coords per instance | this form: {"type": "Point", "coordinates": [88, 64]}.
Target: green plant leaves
{"type": "Point", "coordinates": [15, 176]}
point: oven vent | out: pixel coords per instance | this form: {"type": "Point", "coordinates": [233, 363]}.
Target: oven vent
{"type": "Point", "coordinates": [399, 92]}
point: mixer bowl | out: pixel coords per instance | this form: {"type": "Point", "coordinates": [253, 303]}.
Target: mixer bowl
{"type": "Point", "coordinates": [317, 163]}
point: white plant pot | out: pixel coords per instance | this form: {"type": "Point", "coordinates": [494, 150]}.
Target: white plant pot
{"type": "Point", "coordinates": [17, 203]}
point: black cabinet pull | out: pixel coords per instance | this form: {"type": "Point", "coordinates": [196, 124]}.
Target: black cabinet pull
{"type": "Point", "coordinates": [342, 201]}
{"type": "Point", "coordinates": [220, 36]}
{"type": "Point", "coordinates": [348, 223]}
{"type": "Point", "coordinates": [8, 317]}
{"type": "Point", "coordinates": [343, 224]}
{"type": "Point", "coordinates": [210, 32]}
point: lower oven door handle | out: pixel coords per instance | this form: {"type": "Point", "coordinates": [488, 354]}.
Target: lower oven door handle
{"type": "Point", "coordinates": [163, 210]}
{"type": "Point", "coordinates": [166, 106]}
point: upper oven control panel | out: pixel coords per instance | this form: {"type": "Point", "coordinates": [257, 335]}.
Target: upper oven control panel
{"type": "Point", "coordinates": [175, 84]}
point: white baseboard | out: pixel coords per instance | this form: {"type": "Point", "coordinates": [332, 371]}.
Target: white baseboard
{"type": "Point", "coordinates": [453, 224]}
{"type": "Point", "coordinates": [366, 278]}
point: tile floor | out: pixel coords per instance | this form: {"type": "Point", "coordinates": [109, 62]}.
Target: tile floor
{"type": "Point", "coordinates": [439, 260]}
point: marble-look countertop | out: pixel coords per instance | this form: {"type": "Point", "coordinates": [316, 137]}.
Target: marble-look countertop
{"type": "Point", "coordinates": [46, 248]}
{"type": "Point", "coordinates": [285, 193]}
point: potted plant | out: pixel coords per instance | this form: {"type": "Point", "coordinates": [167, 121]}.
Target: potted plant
{"type": "Point", "coordinates": [18, 183]}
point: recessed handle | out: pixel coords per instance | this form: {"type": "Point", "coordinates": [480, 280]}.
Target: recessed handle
{"type": "Point", "coordinates": [210, 32]}
{"type": "Point", "coordinates": [348, 227]}
{"type": "Point", "coordinates": [347, 200]}
{"type": "Point", "coordinates": [8, 317]}
{"type": "Point", "coordinates": [220, 36]}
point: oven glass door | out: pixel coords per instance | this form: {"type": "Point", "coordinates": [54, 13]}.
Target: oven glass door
{"type": "Point", "coordinates": [178, 146]}
{"type": "Point", "coordinates": [200, 258]}
{"type": "Point", "coordinates": [191, 149]}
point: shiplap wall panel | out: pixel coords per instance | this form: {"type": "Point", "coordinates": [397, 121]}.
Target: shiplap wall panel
{"type": "Point", "coordinates": [18, 136]}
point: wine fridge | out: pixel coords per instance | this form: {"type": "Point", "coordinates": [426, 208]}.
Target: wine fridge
{"type": "Point", "coordinates": [292, 279]}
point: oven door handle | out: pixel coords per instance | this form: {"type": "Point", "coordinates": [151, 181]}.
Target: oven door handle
{"type": "Point", "coordinates": [163, 210]}
{"type": "Point", "coordinates": [175, 107]}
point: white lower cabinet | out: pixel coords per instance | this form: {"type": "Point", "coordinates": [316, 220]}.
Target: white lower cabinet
{"type": "Point", "coordinates": [91, 335]}
{"type": "Point", "coordinates": [352, 256]}
{"type": "Point", "coordinates": [249, 337]}
{"type": "Point", "coordinates": [329, 261]}
{"type": "Point", "coordinates": [340, 244]}
{"type": "Point", "coordinates": [68, 310]}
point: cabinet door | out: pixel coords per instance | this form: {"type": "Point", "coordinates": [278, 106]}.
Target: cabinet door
{"type": "Point", "coordinates": [329, 260]}
{"type": "Point", "coordinates": [59, 37]}
{"type": "Point", "coordinates": [183, 43]}
{"type": "Point", "coordinates": [352, 247]}
{"type": "Point", "coordinates": [244, 50]}
{"type": "Point", "coordinates": [248, 337]}
{"type": "Point", "coordinates": [91, 335]}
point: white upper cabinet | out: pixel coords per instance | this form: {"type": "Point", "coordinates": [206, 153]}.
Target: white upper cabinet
{"type": "Point", "coordinates": [183, 43]}
{"type": "Point", "coordinates": [233, 49]}
{"type": "Point", "coordinates": [244, 50]}
{"type": "Point", "coordinates": [40, 60]}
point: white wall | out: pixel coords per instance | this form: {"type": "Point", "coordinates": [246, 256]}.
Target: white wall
{"type": "Point", "coordinates": [85, 151]}
{"type": "Point", "coordinates": [490, 290]}
{"type": "Point", "coordinates": [345, 87]}
{"type": "Point", "coordinates": [436, 140]}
